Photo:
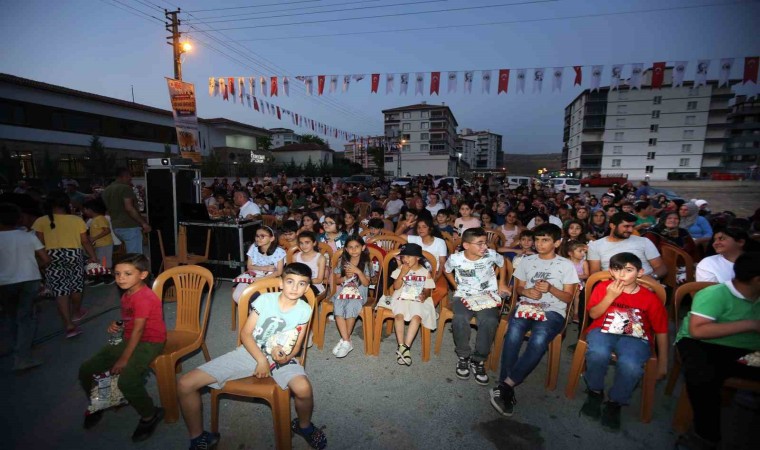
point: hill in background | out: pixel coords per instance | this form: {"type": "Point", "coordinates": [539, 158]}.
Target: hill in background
{"type": "Point", "coordinates": [518, 164]}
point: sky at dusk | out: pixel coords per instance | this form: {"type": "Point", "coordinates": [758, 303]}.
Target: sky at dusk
{"type": "Point", "coordinates": [106, 46]}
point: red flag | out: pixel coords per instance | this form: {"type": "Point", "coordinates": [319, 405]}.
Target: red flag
{"type": "Point", "coordinates": [255, 104]}
{"type": "Point", "coordinates": [750, 69]}
{"type": "Point", "coordinates": [435, 82]}
{"type": "Point", "coordinates": [279, 116]}
{"type": "Point", "coordinates": [273, 88]}
{"type": "Point", "coordinates": [503, 81]}
{"type": "Point", "coordinates": [578, 75]}
{"type": "Point", "coordinates": [231, 85]}
{"type": "Point", "coordinates": [320, 84]}
{"type": "Point", "coordinates": [375, 82]}
{"type": "Point", "coordinates": [658, 74]}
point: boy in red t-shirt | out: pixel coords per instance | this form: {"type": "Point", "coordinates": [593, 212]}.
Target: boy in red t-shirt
{"type": "Point", "coordinates": [144, 339]}
{"type": "Point", "coordinates": [627, 319]}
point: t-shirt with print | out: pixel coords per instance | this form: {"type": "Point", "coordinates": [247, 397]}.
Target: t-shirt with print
{"type": "Point", "coordinates": [641, 315]}
{"type": "Point", "coordinates": [558, 271]}
{"type": "Point", "coordinates": [414, 282]}
{"type": "Point", "coordinates": [474, 277]}
{"type": "Point", "coordinates": [143, 304]}
{"type": "Point", "coordinates": [275, 323]}
{"type": "Point", "coordinates": [98, 224]}
{"type": "Point", "coordinates": [262, 259]}
{"type": "Point", "coordinates": [602, 250]}
{"type": "Point", "coordinates": [722, 303]}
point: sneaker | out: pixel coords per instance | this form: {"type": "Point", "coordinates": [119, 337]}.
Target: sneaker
{"type": "Point", "coordinates": [25, 364]}
{"type": "Point", "coordinates": [611, 416]}
{"type": "Point", "coordinates": [463, 368]}
{"type": "Point", "coordinates": [503, 399]}
{"type": "Point", "coordinates": [337, 347]}
{"type": "Point", "coordinates": [315, 437]}
{"type": "Point", "coordinates": [479, 369]}
{"type": "Point", "coordinates": [74, 332]}
{"type": "Point", "coordinates": [92, 419]}
{"type": "Point", "coordinates": [82, 314]}
{"type": "Point", "coordinates": [345, 349]}
{"type": "Point", "coordinates": [592, 407]}
{"type": "Point", "coordinates": [145, 429]}
{"type": "Point", "coordinates": [206, 441]}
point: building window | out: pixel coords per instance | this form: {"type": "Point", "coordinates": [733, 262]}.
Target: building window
{"type": "Point", "coordinates": [691, 120]}
{"type": "Point", "coordinates": [683, 162]}
{"type": "Point", "coordinates": [649, 169]}
{"type": "Point", "coordinates": [424, 147]}
{"type": "Point", "coordinates": [656, 114]}
{"type": "Point", "coordinates": [654, 128]}
{"type": "Point", "coordinates": [406, 126]}
{"type": "Point", "coordinates": [650, 155]}
{"type": "Point", "coordinates": [406, 137]}
{"type": "Point", "coordinates": [657, 99]}
{"type": "Point", "coordinates": [616, 163]}
{"type": "Point", "coordinates": [619, 136]}
{"type": "Point", "coordinates": [617, 150]}
{"type": "Point", "coordinates": [693, 92]}
{"type": "Point", "coordinates": [405, 147]}
{"type": "Point", "coordinates": [685, 148]}
{"type": "Point", "coordinates": [652, 142]}
{"type": "Point", "coordinates": [691, 106]}
{"type": "Point", "coordinates": [406, 115]}
{"type": "Point", "coordinates": [622, 109]}
{"type": "Point", "coordinates": [424, 125]}
{"type": "Point", "coordinates": [688, 134]}
{"type": "Point", "coordinates": [424, 114]}
{"type": "Point", "coordinates": [424, 136]}
{"type": "Point", "coordinates": [620, 123]}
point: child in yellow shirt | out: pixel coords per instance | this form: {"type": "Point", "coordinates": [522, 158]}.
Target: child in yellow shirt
{"type": "Point", "coordinates": [100, 235]}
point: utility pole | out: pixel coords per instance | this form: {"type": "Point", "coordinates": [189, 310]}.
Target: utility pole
{"type": "Point", "coordinates": [173, 40]}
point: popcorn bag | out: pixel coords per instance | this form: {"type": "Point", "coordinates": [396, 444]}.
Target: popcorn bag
{"type": "Point", "coordinates": [95, 269]}
{"type": "Point", "coordinates": [286, 339]}
{"type": "Point", "coordinates": [105, 393]}
{"type": "Point", "coordinates": [530, 311]}
{"type": "Point", "coordinates": [751, 359]}
{"type": "Point", "coordinates": [482, 301]}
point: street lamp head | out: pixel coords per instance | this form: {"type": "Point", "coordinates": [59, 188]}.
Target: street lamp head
{"type": "Point", "coordinates": [186, 47]}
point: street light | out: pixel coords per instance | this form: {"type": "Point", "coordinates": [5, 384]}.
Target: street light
{"type": "Point", "coordinates": [459, 162]}
{"type": "Point", "coordinates": [401, 143]}
{"type": "Point", "coordinates": [186, 47]}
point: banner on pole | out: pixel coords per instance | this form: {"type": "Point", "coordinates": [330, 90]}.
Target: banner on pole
{"type": "Point", "coordinates": [182, 96]}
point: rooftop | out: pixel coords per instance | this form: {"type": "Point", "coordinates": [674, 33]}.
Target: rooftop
{"type": "Point", "coordinates": [303, 147]}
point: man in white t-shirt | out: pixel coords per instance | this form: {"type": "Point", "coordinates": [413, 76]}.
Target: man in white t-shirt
{"type": "Point", "coordinates": [393, 206]}
{"type": "Point", "coordinates": [621, 240]}
{"type": "Point", "coordinates": [248, 209]}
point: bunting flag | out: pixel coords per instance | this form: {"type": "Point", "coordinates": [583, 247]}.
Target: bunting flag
{"type": "Point", "coordinates": [255, 104]}
{"type": "Point", "coordinates": [263, 84]}
{"type": "Point", "coordinates": [273, 87]}
{"type": "Point", "coordinates": [213, 87]}
{"type": "Point", "coordinates": [375, 82]}
{"type": "Point", "coordinates": [419, 82]}
{"type": "Point", "coordinates": [616, 76]}
{"type": "Point", "coordinates": [346, 82]}
{"type": "Point", "coordinates": [278, 113]}
{"type": "Point", "coordinates": [578, 75]}
{"type": "Point", "coordinates": [596, 77]}
{"type": "Point", "coordinates": [252, 85]}
{"type": "Point", "coordinates": [435, 82]}
{"type": "Point", "coordinates": [485, 87]}
{"type": "Point", "coordinates": [404, 84]}
{"type": "Point", "coordinates": [389, 79]}
{"type": "Point", "coordinates": [750, 69]}
{"type": "Point", "coordinates": [679, 71]}
{"type": "Point", "coordinates": [700, 77]}
{"type": "Point", "coordinates": [725, 71]}
{"type": "Point", "coordinates": [658, 74]}
{"type": "Point", "coordinates": [557, 79]}
{"type": "Point", "coordinates": [286, 86]}
{"type": "Point", "coordinates": [468, 76]}
{"type": "Point", "coordinates": [452, 85]}
{"type": "Point", "coordinates": [223, 88]}
{"type": "Point", "coordinates": [520, 80]}
{"type": "Point", "coordinates": [241, 90]}
{"type": "Point", "coordinates": [309, 84]}
{"type": "Point", "coordinates": [333, 83]}
{"type": "Point", "coordinates": [231, 87]}
{"type": "Point", "coordinates": [538, 80]}
{"type": "Point", "coordinates": [320, 84]}
{"type": "Point", "coordinates": [248, 98]}
{"type": "Point", "coordinates": [637, 69]}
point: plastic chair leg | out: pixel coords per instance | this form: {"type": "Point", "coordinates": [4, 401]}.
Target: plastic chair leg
{"type": "Point", "coordinates": [498, 345]}
{"type": "Point", "coordinates": [167, 387]}
{"type": "Point", "coordinates": [214, 410]}
{"type": "Point", "coordinates": [647, 390]}
{"type": "Point", "coordinates": [388, 328]}
{"type": "Point", "coordinates": [281, 418]}
{"type": "Point", "coordinates": [378, 331]}
{"type": "Point", "coordinates": [555, 348]}
{"type": "Point", "coordinates": [442, 319]}
{"type": "Point", "coordinates": [367, 329]}
{"type": "Point", "coordinates": [426, 341]}
{"type": "Point", "coordinates": [206, 354]}
{"type": "Point", "coordinates": [233, 323]}
{"type": "Point", "coordinates": [579, 359]}
{"type": "Point", "coordinates": [684, 414]}
{"type": "Point", "coordinates": [675, 371]}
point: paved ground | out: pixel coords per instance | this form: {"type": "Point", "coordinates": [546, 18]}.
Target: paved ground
{"type": "Point", "coordinates": [367, 402]}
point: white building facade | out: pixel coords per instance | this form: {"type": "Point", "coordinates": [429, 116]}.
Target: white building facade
{"type": "Point", "coordinates": [284, 136]}
{"type": "Point", "coordinates": [301, 154]}
{"type": "Point", "coordinates": [488, 146]}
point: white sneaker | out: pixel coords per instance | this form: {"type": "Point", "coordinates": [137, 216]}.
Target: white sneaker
{"type": "Point", "coordinates": [345, 349]}
{"type": "Point", "coordinates": [337, 347]}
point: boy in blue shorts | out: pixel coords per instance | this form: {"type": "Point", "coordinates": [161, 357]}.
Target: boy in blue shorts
{"type": "Point", "coordinates": [273, 314]}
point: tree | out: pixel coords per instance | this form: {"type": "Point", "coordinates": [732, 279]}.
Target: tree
{"type": "Point", "coordinates": [264, 143]}
{"type": "Point", "coordinates": [378, 157]}
{"type": "Point", "coordinates": [313, 139]}
{"type": "Point", "coordinates": [310, 169]}
{"type": "Point", "coordinates": [212, 165]}
{"type": "Point", "coordinates": [291, 169]}
{"type": "Point", "coordinates": [98, 161]}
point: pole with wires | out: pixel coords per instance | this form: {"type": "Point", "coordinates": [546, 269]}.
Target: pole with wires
{"type": "Point", "coordinates": [173, 40]}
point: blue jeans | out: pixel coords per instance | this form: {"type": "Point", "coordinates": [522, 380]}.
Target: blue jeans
{"type": "Point", "coordinates": [24, 293]}
{"type": "Point", "coordinates": [488, 320]}
{"type": "Point", "coordinates": [518, 367]}
{"type": "Point", "coordinates": [631, 353]}
{"type": "Point", "coordinates": [132, 238]}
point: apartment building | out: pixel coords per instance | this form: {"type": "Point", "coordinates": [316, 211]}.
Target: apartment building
{"type": "Point", "coordinates": [465, 148]}
{"type": "Point", "coordinates": [742, 152]}
{"type": "Point", "coordinates": [284, 136]}
{"type": "Point", "coordinates": [665, 133]}
{"type": "Point", "coordinates": [422, 140]}
{"type": "Point", "coordinates": [356, 150]}
{"type": "Point", "coordinates": [487, 154]}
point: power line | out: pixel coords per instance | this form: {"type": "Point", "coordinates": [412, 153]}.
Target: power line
{"type": "Point", "coordinates": [379, 16]}
{"type": "Point", "coordinates": [149, 5]}
{"type": "Point", "coordinates": [300, 8]}
{"type": "Point", "coordinates": [250, 6]}
{"type": "Point", "coordinates": [508, 22]}
{"type": "Point", "coordinates": [324, 12]}
{"type": "Point", "coordinates": [143, 14]}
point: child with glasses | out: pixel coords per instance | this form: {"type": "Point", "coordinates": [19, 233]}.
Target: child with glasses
{"type": "Point", "coordinates": [265, 260]}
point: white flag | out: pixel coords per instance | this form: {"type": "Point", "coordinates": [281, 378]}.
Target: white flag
{"type": "Point", "coordinates": [596, 77]}
{"type": "Point", "coordinates": [309, 84]}
{"type": "Point", "coordinates": [452, 87]}
{"type": "Point", "coordinates": [615, 76]}
{"type": "Point", "coordinates": [404, 84]}
{"type": "Point", "coordinates": [333, 83]}
{"type": "Point", "coordinates": [248, 97]}
{"type": "Point", "coordinates": [419, 81]}
{"type": "Point", "coordinates": [346, 82]}
{"type": "Point", "coordinates": [679, 70]}
{"type": "Point", "coordinates": [241, 89]}
{"type": "Point", "coordinates": [468, 75]}
{"type": "Point", "coordinates": [213, 88]}
{"type": "Point", "coordinates": [700, 78]}
{"type": "Point", "coordinates": [252, 85]}
{"type": "Point", "coordinates": [286, 86]}
{"type": "Point", "coordinates": [725, 71]}
{"type": "Point", "coordinates": [389, 78]}
{"type": "Point", "coordinates": [557, 79]}
{"type": "Point", "coordinates": [636, 71]}
{"type": "Point", "coordinates": [358, 77]}
{"type": "Point", "coordinates": [521, 80]}
{"type": "Point", "coordinates": [263, 85]}
{"type": "Point", "coordinates": [538, 80]}
{"type": "Point", "coordinates": [485, 87]}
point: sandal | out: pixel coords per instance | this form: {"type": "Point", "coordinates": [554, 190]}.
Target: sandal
{"type": "Point", "coordinates": [403, 357]}
{"type": "Point", "coordinates": [315, 439]}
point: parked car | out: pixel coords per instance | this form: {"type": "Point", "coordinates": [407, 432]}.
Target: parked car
{"type": "Point", "coordinates": [513, 182]}
{"type": "Point", "coordinates": [401, 181]}
{"type": "Point", "coordinates": [655, 192]}
{"type": "Point", "coordinates": [569, 185]}
{"type": "Point", "coordinates": [364, 180]}
{"type": "Point", "coordinates": [597, 180]}
{"type": "Point", "coordinates": [451, 181]}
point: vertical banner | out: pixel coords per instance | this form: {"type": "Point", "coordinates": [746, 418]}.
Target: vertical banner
{"type": "Point", "coordinates": [750, 70]}
{"type": "Point", "coordinates": [404, 84]}
{"type": "Point", "coordinates": [503, 81]}
{"type": "Point", "coordinates": [520, 80]}
{"type": "Point", "coordinates": [557, 79]}
{"type": "Point", "coordinates": [419, 81]}
{"type": "Point", "coordinates": [637, 70]}
{"type": "Point", "coordinates": [320, 84]}
{"type": "Point", "coordinates": [182, 97]}
{"type": "Point", "coordinates": [485, 86]}
{"type": "Point", "coordinates": [700, 78]}
{"type": "Point", "coordinates": [679, 70]}
{"type": "Point", "coordinates": [375, 82]}
{"type": "Point", "coordinates": [578, 75]}
{"type": "Point", "coordinates": [658, 74]}
{"type": "Point", "coordinates": [273, 87]}
{"type": "Point", "coordinates": [596, 77]}
{"type": "Point", "coordinates": [725, 71]}
{"type": "Point", "coordinates": [435, 82]}
{"type": "Point", "coordinates": [616, 76]}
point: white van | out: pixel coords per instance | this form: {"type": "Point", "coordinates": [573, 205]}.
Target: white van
{"type": "Point", "coordinates": [569, 185]}
{"type": "Point", "coordinates": [515, 182]}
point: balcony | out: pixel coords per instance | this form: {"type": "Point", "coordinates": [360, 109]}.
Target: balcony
{"type": "Point", "coordinates": [596, 97]}
{"type": "Point", "coordinates": [595, 110]}
{"type": "Point", "coordinates": [593, 124]}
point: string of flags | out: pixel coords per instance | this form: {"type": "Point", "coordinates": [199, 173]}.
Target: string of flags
{"type": "Point", "coordinates": [431, 83]}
